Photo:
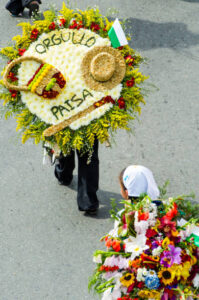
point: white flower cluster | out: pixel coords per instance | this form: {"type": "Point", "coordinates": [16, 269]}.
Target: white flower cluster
{"type": "Point", "coordinates": [66, 57]}
{"type": "Point", "coordinates": [142, 226]}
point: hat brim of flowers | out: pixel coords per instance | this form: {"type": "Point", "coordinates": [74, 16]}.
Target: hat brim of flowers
{"type": "Point", "coordinates": [117, 77]}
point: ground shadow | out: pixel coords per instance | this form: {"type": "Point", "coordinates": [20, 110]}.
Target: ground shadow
{"type": "Point", "coordinates": [104, 199]}
{"type": "Point", "coordinates": [191, 1]}
{"type": "Point", "coordinates": [149, 35]}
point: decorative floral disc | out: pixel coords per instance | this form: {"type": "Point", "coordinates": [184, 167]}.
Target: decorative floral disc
{"type": "Point", "coordinates": [84, 88]}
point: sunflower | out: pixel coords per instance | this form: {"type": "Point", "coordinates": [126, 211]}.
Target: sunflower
{"type": "Point", "coordinates": [127, 279]}
{"type": "Point", "coordinates": [145, 294]}
{"type": "Point", "coordinates": [167, 275]}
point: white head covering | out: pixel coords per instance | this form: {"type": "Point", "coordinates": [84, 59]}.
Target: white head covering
{"type": "Point", "coordinates": [138, 180]}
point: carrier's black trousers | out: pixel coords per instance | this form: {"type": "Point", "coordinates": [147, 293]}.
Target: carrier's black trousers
{"type": "Point", "coordinates": [17, 6]}
{"type": "Point", "coordinates": [88, 177]}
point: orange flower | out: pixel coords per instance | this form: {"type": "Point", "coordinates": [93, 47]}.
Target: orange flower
{"type": "Point", "coordinates": [116, 246]}
{"type": "Point", "coordinates": [143, 216]}
{"type": "Point", "coordinates": [135, 263]}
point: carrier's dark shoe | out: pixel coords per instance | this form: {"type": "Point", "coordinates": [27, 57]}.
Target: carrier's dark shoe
{"type": "Point", "coordinates": [33, 8]}
{"type": "Point", "coordinates": [15, 15]}
{"type": "Point", "coordinates": [91, 212]}
{"type": "Point", "coordinates": [64, 183]}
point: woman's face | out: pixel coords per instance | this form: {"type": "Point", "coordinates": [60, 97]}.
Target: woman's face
{"type": "Point", "coordinates": [123, 192]}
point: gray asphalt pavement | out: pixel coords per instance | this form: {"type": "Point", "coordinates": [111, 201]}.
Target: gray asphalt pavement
{"type": "Point", "coordinates": [46, 244]}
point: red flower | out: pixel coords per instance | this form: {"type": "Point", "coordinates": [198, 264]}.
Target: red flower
{"type": "Point", "coordinates": [120, 48]}
{"type": "Point", "coordinates": [143, 216]}
{"type": "Point", "coordinates": [80, 25]}
{"type": "Point", "coordinates": [108, 269]}
{"type": "Point", "coordinates": [121, 103]}
{"type": "Point", "coordinates": [13, 93]}
{"type": "Point", "coordinates": [52, 26]}
{"type": "Point", "coordinates": [73, 25]}
{"type": "Point", "coordinates": [12, 76]}
{"type": "Point", "coordinates": [95, 26]}
{"type": "Point", "coordinates": [151, 232]}
{"type": "Point", "coordinates": [167, 226]}
{"type": "Point", "coordinates": [34, 34]}
{"type": "Point", "coordinates": [116, 246]}
{"type": "Point", "coordinates": [108, 243]}
{"type": "Point", "coordinates": [76, 25]}
{"type": "Point", "coordinates": [109, 99]}
{"type": "Point", "coordinates": [130, 83]}
{"type": "Point", "coordinates": [140, 285]}
{"type": "Point", "coordinates": [21, 51]}
{"type": "Point", "coordinates": [62, 21]}
{"type": "Point", "coordinates": [130, 288]}
{"type": "Point", "coordinates": [127, 298]}
{"type": "Point", "coordinates": [173, 212]}
{"type": "Point", "coordinates": [129, 60]}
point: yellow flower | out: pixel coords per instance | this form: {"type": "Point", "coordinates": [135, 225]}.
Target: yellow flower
{"type": "Point", "coordinates": [127, 279]}
{"type": "Point", "coordinates": [146, 294]}
{"type": "Point", "coordinates": [185, 270]}
{"type": "Point", "coordinates": [177, 270]}
{"type": "Point", "coordinates": [154, 295]}
{"type": "Point", "coordinates": [167, 275]}
{"type": "Point", "coordinates": [166, 242]}
{"type": "Point", "coordinates": [193, 260]}
{"type": "Point", "coordinates": [156, 225]}
{"type": "Point", "coordinates": [174, 233]}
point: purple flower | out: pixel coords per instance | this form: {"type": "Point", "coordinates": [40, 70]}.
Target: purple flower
{"type": "Point", "coordinates": [171, 257]}
{"type": "Point", "coordinates": [154, 245]}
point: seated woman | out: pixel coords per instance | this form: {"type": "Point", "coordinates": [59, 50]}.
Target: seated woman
{"type": "Point", "coordinates": [16, 7]}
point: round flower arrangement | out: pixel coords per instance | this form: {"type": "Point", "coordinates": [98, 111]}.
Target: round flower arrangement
{"type": "Point", "coordinates": [152, 253]}
{"type": "Point", "coordinates": [66, 84]}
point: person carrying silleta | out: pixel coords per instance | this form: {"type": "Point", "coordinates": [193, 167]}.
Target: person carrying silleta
{"type": "Point", "coordinates": [16, 7]}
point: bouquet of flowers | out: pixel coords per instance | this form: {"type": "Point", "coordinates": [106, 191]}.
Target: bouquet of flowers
{"type": "Point", "coordinates": [152, 253]}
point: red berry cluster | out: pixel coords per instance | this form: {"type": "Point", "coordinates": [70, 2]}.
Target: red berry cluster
{"type": "Point", "coordinates": [21, 51]}
{"type": "Point", "coordinates": [13, 93]}
{"type": "Point", "coordinates": [50, 94]}
{"type": "Point", "coordinates": [121, 103]}
{"type": "Point", "coordinates": [107, 99]}
{"type": "Point", "coordinates": [60, 79]}
{"type": "Point", "coordinates": [129, 60]}
{"type": "Point", "coordinates": [12, 77]}
{"type": "Point", "coordinates": [52, 26]}
{"type": "Point", "coordinates": [76, 25]}
{"type": "Point", "coordinates": [130, 82]}
{"type": "Point", "coordinates": [95, 26]}
{"type": "Point", "coordinates": [34, 34]}
{"type": "Point", "coordinates": [62, 21]}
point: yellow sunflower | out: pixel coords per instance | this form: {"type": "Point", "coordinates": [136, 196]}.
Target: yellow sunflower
{"type": "Point", "coordinates": [154, 295]}
{"type": "Point", "coordinates": [167, 275]}
{"type": "Point", "coordinates": [145, 294]}
{"type": "Point", "coordinates": [127, 279]}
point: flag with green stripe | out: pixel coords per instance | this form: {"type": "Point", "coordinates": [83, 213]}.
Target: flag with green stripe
{"type": "Point", "coordinates": [117, 35]}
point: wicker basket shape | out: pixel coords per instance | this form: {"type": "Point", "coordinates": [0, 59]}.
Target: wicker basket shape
{"type": "Point", "coordinates": [46, 81]}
